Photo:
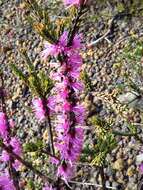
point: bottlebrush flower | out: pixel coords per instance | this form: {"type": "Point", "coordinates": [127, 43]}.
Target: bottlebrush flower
{"type": "Point", "coordinates": [69, 139]}
{"type": "Point", "coordinates": [6, 183]}
{"type": "Point", "coordinates": [3, 125]}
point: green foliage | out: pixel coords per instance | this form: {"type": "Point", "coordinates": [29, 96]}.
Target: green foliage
{"type": "Point", "coordinates": [106, 141]}
{"type": "Point", "coordinates": [120, 7]}
{"type": "Point", "coordinates": [1, 141]}
{"type": "Point", "coordinates": [31, 184]}
{"type": "Point", "coordinates": [46, 83]}
{"type": "Point", "coordinates": [18, 73]}
{"type": "Point", "coordinates": [131, 59]}
{"type": "Point", "coordinates": [87, 81]}
{"type": "Point", "coordinates": [47, 26]}
{"type": "Point", "coordinates": [38, 81]}
{"type": "Point", "coordinates": [132, 128]}
{"type": "Point", "coordinates": [33, 147]}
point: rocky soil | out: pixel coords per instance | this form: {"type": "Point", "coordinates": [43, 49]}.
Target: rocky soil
{"type": "Point", "coordinates": [100, 63]}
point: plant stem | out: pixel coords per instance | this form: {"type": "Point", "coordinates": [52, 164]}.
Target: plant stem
{"type": "Point", "coordinates": [12, 171]}
{"type": "Point", "coordinates": [50, 135]}
{"type": "Point", "coordinates": [13, 175]}
{"type": "Point", "coordinates": [48, 121]}
{"type": "Point", "coordinates": [103, 178]}
{"type": "Point", "coordinates": [75, 26]}
{"type": "Point", "coordinates": [124, 133]}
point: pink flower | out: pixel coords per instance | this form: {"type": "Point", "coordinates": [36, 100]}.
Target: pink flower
{"type": "Point", "coordinates": [72, 2]}
{"type": "Point", "coordinates": [50, 49]}
{"type": "Point", "coordinates": [65, 171]}
{"type": "Point", "coordinates": [6, 183]}
{"type": "Point", "coordinates": [141, 168]}
{"type": "Point", "coordinates": [76, 44]}
{"type": "Point", "coordinates": [70, 145]}
{"type": "Point", "coordinates": [77, 86]}
{"type": "Point", "coordinates": [47, 188]}
{"type": "Point", "coordinates": [17, 149]}
{"type": "Point", "coordinates": [3, 125]}
{"type": "Point", "coordinates": [54, 161]}
{"type": "Point", "coordinates": [38, 109]}
{"type": "Point", "coordinates": [15, 143]}
{"type": "Point", "coordinates": [75, 60]}
{"type": "Point", "coordinates": [12, 123]}
{"type": "Point", "coordinates": [51, 103]}
{"type": "Point", "coordinates": [4, 156]}
{"type": "Point", "coordinates": [55, 49]}
{"type": "Point", "coordinates": [79, 114]}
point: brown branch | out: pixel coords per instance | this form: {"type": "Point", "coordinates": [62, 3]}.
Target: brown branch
{"type": "Point", "coordinates": [101, 169]}
{"type": "Point", "coordinates": [12, 171]}
{"type": "Point", "coordinates": [50, 134]}
{"type": "Point", "coordinates": [25, 163]}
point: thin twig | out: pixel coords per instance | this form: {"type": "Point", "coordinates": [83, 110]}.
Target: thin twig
{"type": "Point", "coordinates": [101, 169]}
{"type": "Point", "coordinates": [110, 29]}
{"type": "Point", "coordinates": [90, 184]}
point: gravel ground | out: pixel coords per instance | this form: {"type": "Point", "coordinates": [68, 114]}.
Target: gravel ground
{"type": "Point", "coordinates": [99, 62]}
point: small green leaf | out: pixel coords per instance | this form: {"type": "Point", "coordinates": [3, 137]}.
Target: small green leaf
{"type": "Point", "coordinates": [18, 72]}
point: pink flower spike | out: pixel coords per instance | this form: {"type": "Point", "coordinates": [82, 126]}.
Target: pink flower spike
{"type": "Point", "coordinates": [55, 49]}
{"type": "Point", "coordinates": [3, 125]}
{"type": "Point", "coordinates": [38, 109]}
{"type": "Point", "coordinates": [66, 106]}
{"type": "Point", "coordinates": [6, 183]}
